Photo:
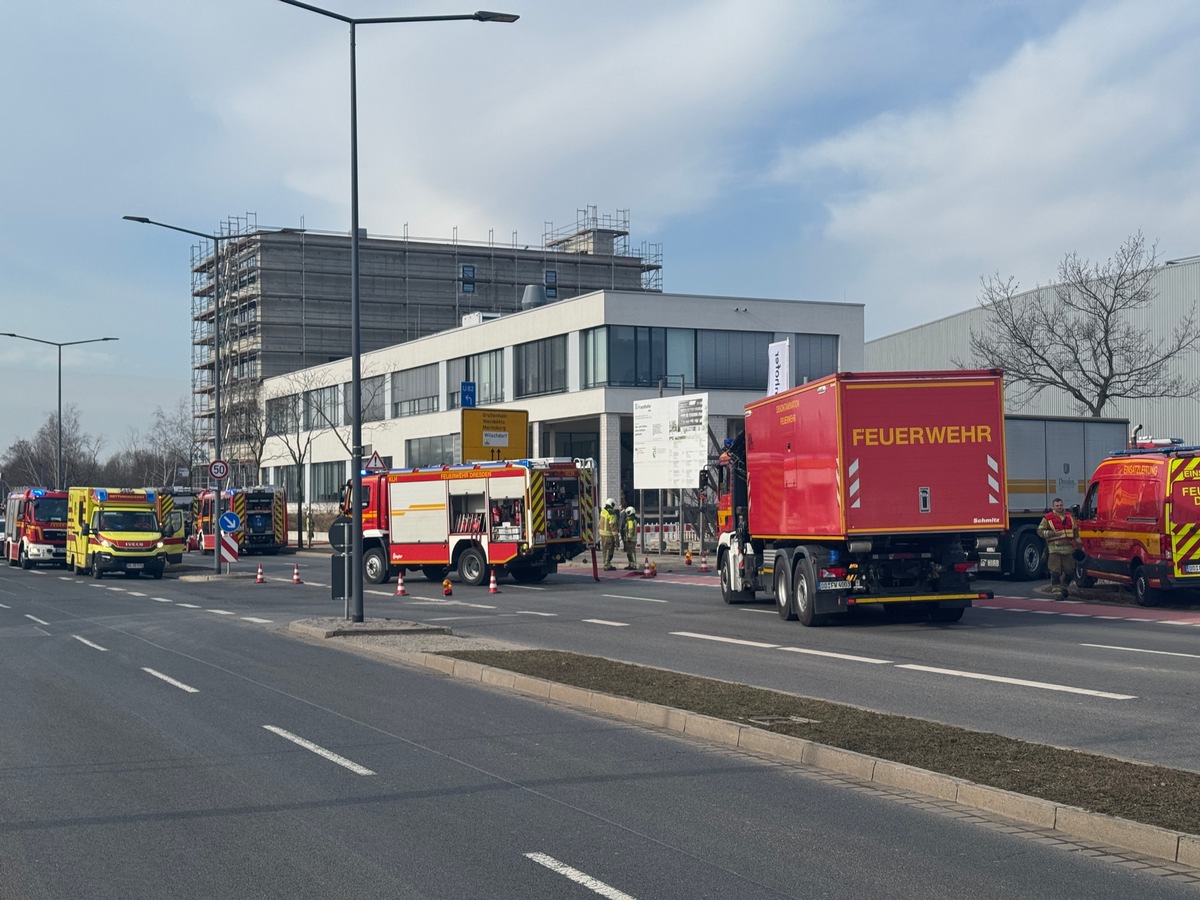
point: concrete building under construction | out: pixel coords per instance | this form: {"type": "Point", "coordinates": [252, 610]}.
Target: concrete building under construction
{"type": "Point", "coordinates": [285, 300]}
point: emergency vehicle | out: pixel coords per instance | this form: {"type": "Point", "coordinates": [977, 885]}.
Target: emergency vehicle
{"type": "Point", "coordinates": [174, 512]}
{"type": "Point", "coordinates": [1140, 520]}
{"type": "Point", "coordinates": [864, 489]}
{"type": "Point", "coordinates": [262, 511]}
{"type": "Point", "coordinates": [114, 530]}
{"type": "Point", "coordinates": [522, 517]}
{"type": "Point", "coordinates": [35, 527]}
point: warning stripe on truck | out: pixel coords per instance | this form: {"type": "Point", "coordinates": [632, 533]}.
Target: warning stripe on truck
{"type": "Point", "coordinates": [537, 502]}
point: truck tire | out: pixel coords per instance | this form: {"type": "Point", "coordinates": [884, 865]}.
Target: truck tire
{"type": "Point", "coordinates": [434, 573]}
{"type": "Point", "coordinates": [527, 575]}
{"type": "Point", "coordinates": [783, 589]}
{"type": "Point", "coordinates": [804, 590]}
{"type": "Point", "coordinates": [472, 567]}
{"type": "Point", "coordinates": [96, 573]}
{"type": "Point", "coordinates": [728, 594]}
{"type": "Point", "coordinates": [375, 567]}
{"type": "Point", "coordinates": [25, 561]}
{"type": "Point", "coordinates": [946, 615]}
{"type": "Point", "coordinates": [1082, 578]}
{"type": "Point", "coordinates": [1143, 594]}
{"type": "Point", "coordinates": [1027, 563]}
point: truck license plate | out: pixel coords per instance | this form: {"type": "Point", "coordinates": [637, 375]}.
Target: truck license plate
{"type": "Point", "coordinates": [1192, 568]}
{"type": "Point", "coordinates": [133, 565]}
{"type": "Point", "coordinates": [833, 585]}
{"type": "Point", "coordinates": [989, 563]}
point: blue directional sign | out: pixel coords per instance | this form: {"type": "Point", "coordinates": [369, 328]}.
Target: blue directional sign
{"type": "Point", "coordinates": [230, 522]}
{"type": "Point", "coordinates": [467, 394]}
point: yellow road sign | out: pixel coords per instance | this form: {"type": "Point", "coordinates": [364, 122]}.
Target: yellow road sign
{"type": "Point", "coordinates": [493, 434]}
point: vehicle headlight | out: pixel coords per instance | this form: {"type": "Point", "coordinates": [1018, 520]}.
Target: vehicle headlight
{"type": "Point", "coordinates": [160, 545]}
{"type": "Point", "coordinates": [106, 543]}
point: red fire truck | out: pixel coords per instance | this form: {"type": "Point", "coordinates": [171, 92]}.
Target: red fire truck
{"type": "Point", "coordinates": [263, 513]}
{"type": "Point", "coordinates": [864, 489]}
{"type": "Point", "coordinates": [522, 517]}
{"type": "Point", "coordinates": [36, 527]}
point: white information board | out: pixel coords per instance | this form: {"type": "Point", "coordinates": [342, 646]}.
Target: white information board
{"type": "Point", "coordinates": [670, 441]}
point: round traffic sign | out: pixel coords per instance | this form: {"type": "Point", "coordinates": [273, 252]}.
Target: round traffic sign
{"type": "Point", "coordinates": [218, 469]}
{"type": "Point", "coordinates": [339, 533]}
{"type": "Point", "coordinates": [230, 521]}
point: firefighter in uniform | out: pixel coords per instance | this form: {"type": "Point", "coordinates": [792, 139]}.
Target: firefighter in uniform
{"type": "Point", "coordinates": [1060, 531]}
{"type": "Point", "coordinates": [629, 532]}
{"type": "Point", "coordinates": [608, 532]}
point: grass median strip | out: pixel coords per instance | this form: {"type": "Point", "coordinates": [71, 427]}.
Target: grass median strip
{"type": "Point", "coordinates": [1153, 795]}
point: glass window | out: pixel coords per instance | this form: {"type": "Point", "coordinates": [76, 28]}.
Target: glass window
{"type": "Point", "coordinates": [622, 355]}
{"type": "Point", "coordinates": [374, 402]}
{"type": "Point", "coordinates": [321, 407]}
{"type": "Point", "coordinates": [681, 355]}
{"type": "Point", "coordinates": [282, 415]}
{"type": "Point", "coordinates": [415, 391]}
{"type": "Point", "coordinates": [594, 343]}
{"type": "Point", "coordinates": [328, 479]}
{"type": "Point", "coordinates": [541, 367]}
{"type": "Point", "coordinates": [431, 451]}
{"type": "Point", "coordinates": [286, 476]}
{"type": "Point", "coordinates": [816, 356]}
{"type": "Point", "coordinates": [732, 360]}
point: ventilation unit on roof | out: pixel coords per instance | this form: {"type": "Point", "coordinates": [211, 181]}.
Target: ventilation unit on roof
{"type": "Point", "coordinates": [534, 296]}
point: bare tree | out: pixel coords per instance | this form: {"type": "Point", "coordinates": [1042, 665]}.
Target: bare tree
{"type": "Point", "coordinates": [34, 461]}
{"type": "Point", "coordinates": [1080, 335]}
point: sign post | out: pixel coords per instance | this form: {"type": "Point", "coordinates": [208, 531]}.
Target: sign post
{"type": "Point", "coordinates": [230, 523]}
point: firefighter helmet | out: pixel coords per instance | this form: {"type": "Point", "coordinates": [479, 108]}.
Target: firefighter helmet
{"type": "Point", "coordinates": [630, 511]}
{"type": "Point", "coordinates": [610, 503]}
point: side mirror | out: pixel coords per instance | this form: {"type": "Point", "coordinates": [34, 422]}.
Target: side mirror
{"type": "Point", "coordinates": [84, 530]}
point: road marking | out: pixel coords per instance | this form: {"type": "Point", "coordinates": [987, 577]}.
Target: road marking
{"type": "Point", "coordinates": [90, 644]}
{"type": "Point", "coordinates": [1076, 615]}
{"type": "Point", "coordinates": [527, 587]}
{"type": "Point", "coordinates": [1177, 622]}
{"type": "Point", "coordinates": [1020, 682]}
{"type": "Point", "coordinates": [530, 612]}
{"type": "Point", "coordinates": [1140, 650]}
{"type": "Point", "coordinates": [320, 751]}
{"type": "Point", "coordinates": [3, 606]}
{"type": "Point", "coordinates": [769, 612]}
{"type": "Point", "coordinates": [454, 618]}
{"type": "Point", "coordinates": [220, 612]}
{"type": "Point", "coordinates": [189, 606]}
{"type": "Point", "coordinates": [35, 619]}
{"type": "Point", "coordinates": [171, 681]}
{"type": "Point", "coordinates": [851, 658]}
{"type": "Point", "coordinates": [382, 593]}
{"type": "Point", "coordinates": [257, 621]}
{"type": "Point", "coordinates": [111, 588]}
{"type": "Point", "coordinates": [581, 878]}
{"type": "Point", "coordinates": [627, 597]}
{"type": "Point", "coordinates": [162, 599]}
{"type": "Point", "coordinates": [606, 622]}
{"type": "Point", "coordinates": [1114, 618]}
{"type": "Point", "coordinates": [136, 594]}
{"type": "Point", "coordinates": [724, 640]}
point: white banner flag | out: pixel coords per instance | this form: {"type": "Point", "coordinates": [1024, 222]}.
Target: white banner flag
{"type": "Point", "coordinates": [779, 374]}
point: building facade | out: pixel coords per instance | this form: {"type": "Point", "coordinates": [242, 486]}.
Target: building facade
{"type": "Point", "coordinates": [285, 299]}
{"type": "Point", "coordinates": [939, 344]}
{"type": "Point", "coordinates": [575, 366]}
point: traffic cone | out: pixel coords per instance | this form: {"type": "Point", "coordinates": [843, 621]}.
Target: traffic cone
{"type": "Point", "coordinates": [296, 574]}
{"type": "Point", "coordinates": [446, 589]}
{"type": "Point", "coordinates": [703, 560]}
{"type": "Point", "coordinates": [492, 589]}
{"type": "Point", "coordinates": [258, 579]}
{"type": "Point", "coordinates": [646, 568]}
{"type": "Point", "coordinates": [687, 559]}
{"type": "Point", "coordinates": [400, 591]}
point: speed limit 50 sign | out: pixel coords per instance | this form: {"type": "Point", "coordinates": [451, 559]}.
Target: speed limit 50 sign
{"type": "Point", "coordinates": [218, 469]}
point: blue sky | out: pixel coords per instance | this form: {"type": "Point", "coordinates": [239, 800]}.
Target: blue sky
{"type": "Point", "coordinates": [878, 151]}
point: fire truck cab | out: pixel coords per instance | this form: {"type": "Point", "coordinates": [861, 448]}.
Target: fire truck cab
{"type": "Point", "coordinates": [262, 511]}
{"type": "Point", "coordinates": [36, 527]}
{"type": "Point", "coordinates": [520, 517]}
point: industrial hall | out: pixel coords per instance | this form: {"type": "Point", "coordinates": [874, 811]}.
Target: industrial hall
{"type": "Point", "coordinates": [570, 369]}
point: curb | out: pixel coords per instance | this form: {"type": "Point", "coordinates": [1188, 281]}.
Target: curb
{"type": "Point", "coordinates": [1174, 846]}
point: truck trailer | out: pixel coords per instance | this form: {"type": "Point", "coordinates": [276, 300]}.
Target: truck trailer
{"type": "Point", "coordinates": [864, 489]}
{"type": "Point", "coordinates": [1047, 457]}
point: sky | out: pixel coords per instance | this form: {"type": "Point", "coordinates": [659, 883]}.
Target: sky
{"type": "Point", "coordinates": [883, 152]}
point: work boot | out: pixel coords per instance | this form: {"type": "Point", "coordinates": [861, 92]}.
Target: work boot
{"type": "Point", "coordinates": [1062, 595]}
{"type": "Point", "coordinates": [609, 568]}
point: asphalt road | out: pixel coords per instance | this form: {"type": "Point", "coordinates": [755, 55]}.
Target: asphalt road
{"type": "Point", "coordinates": [168, 738]}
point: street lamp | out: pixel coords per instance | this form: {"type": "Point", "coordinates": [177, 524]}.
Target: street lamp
{"type": "Point", "coordinates": [356, 448]}
{"type": "Point", "coordinates": [58, 472]}
{"type": "Point", "coordinates": [216, 239]}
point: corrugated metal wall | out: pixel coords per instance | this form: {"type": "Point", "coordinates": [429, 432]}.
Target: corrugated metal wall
{"type": "Point", "coordinates": [941, 343]}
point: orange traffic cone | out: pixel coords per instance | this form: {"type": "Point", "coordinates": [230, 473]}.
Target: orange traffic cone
{"type": "Point", "coordinates": [446, 589]}
{"type": "Point", "coordinates": [646, 568]}
{"type": "Point", "coordinates": [687, 559]}
{"type": "Point", "coordinates": [492, 589]}
{"type": "Point", "coordinates": [703, 560]}
{"type": "Point", "coordinates": [296, 574]}
{"type": "Point", "coordinates": [258, 579]}
{"type": "Point", "coordinates": [400, 591]}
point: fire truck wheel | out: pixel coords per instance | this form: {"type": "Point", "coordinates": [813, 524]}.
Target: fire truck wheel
{"type": "Point", "coordinates": [946, 615]}
{"type": "Point", "coordinates": [96, 573]}
{"type": "Point", "coordinates": [805, 590]}
{"type": "Point", "coordinates": [26, 562]}
{"type": "Point", "coordinates": [728, 594]}
{"type": "Point", "coordinates": [527, 575]}
{"type": "Point", "coordinates": [783, 589]}
{"type": "Point", "coordinates": [1142, 592]}
{"type": "Point", "coordinates": [157, 573]}
{"type": "Point", "coordinates": [471, 567]}
{"type": "Point", "coordinates": [1028, 561]}
{"type": "Point", "coordinates": [375, 567]}
{"type": "Point", "coordinates": [435, 573]}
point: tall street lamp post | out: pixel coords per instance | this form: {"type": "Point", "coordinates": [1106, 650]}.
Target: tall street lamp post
{"type": "Point", "coordinates": [356, 447]}
{"type": "Point", "coordinates": [58, 472]}
{"type": "Point", "coordinates": [216, 240]}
